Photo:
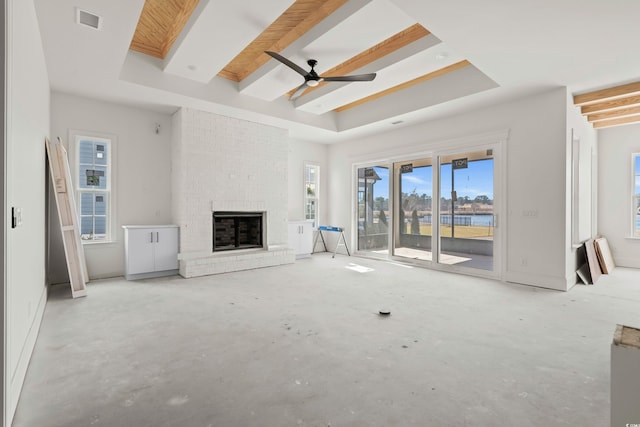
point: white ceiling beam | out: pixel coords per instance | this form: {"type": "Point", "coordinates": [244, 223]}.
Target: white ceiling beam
{"type": "Point", "coordinates": [417, 59]}
{"type": "Point", "coordinates": [210, 43]}
{"type": "Point", "coordinates": [336, 39]}
{"type": "Point", "coordinates": [457, 84]}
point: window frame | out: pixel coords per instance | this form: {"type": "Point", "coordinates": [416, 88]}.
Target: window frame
{"type": "Point", "coordinates": [75, 136]}
{"type": "Point", "coordinates": [316, 192]}
{"type": "Point", "coordinates": [635, 197]}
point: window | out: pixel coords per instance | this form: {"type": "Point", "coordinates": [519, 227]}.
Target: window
{"type": "Point", "coordinates": [635, 201]}
{"type": "Point", "coordinates": [93, 187]}
{"type": "Point", "coordinates": [311, 192]}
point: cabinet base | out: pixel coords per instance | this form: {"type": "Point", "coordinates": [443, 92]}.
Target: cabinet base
{"type": "Point", "coordinates": [151, 274]}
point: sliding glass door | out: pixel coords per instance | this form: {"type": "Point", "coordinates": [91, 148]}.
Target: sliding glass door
{"type": "Point", "coordinates": [414, 188]}
{"type": "Point", "coordinates": [467, 217]}
{"type": "Point", "coordinates": [373, 210]}
{"type": "Point", "coordinates": [439, 210]}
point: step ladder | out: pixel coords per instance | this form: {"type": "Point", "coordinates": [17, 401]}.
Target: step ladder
{"type": "Point", "coordinates": [66, 206]}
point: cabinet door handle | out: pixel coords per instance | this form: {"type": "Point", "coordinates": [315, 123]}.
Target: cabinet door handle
{"type": "Point", "coordinates": [157, 237]}
{"type": "Point", "coordinates": [151, 234]}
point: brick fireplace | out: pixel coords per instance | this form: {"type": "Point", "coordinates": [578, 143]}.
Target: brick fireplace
{"type": "Point", "coordinates": [230, 166]}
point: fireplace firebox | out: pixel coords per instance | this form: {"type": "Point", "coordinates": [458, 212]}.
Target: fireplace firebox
{"type": "Point", "coordinates": [237, 230]}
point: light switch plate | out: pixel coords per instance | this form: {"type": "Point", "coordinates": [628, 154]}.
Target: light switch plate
{"type": "Point", "coordinates": [16, 217]}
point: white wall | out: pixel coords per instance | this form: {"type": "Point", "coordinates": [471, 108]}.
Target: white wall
{"type": "Point", "coordinates": [142, 173]}
{"type": "Point", "coordinates": [3, 213]}
{"type": "Point", "coordinates": [299, 153]}
{"type": "Point", "coordinates": [615, 187]}
{"type": "Point", "coordinates": [535, 170]}
{"type": "Point", "coordinates": [27, 126]}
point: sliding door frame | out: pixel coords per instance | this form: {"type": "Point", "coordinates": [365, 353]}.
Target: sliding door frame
{"type": "Point", "coordinates": [499, 208]}
{"type": "Point", "coordinates": [497, 141]}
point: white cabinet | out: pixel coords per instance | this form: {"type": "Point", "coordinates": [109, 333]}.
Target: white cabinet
{"type": "Point", "coordinates": [301, 238]}
{"type": "Point", "coordinates": [150, 251]}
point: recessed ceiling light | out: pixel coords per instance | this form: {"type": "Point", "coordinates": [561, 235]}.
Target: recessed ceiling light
{"type": "Point", "coordinates": [192, 67]}
{"type": "Point", "coordinates": [88, 19]}
{"type": "Point", "coordinates": [442, 55]}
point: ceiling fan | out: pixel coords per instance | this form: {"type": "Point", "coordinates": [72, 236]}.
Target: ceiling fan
{"type": "Point", "coordinates": [312, 79]}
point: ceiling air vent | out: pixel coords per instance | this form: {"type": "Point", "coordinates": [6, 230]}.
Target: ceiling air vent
{"type": "Point", "coordinates": [88, 19]}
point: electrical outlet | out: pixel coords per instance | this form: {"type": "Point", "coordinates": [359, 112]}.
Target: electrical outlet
{"type": "Point", "coordinates": [524, 262]}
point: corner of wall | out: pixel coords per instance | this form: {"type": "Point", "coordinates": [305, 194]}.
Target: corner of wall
{"type": "Point", "coordinates": [28, 116]}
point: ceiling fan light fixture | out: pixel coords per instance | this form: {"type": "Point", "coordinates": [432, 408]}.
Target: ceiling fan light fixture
{"type": "Point", "coordinates": [311, 78]}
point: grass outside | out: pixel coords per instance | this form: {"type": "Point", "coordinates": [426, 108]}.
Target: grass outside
{"type": "Point", "coordinates": [462, 231]}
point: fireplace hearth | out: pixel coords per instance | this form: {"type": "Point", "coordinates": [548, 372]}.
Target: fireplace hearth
{"type": "Point", "coordinates": [237, 230]}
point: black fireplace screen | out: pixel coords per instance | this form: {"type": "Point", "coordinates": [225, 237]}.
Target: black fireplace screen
{"type": "Point", "coordinates": [237, 230]}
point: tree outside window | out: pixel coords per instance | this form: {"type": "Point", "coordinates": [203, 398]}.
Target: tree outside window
{"type": "Point", "coordinates": [311, 192]}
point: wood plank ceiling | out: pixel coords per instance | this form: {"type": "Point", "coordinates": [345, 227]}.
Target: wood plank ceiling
{"type": "Point", "coordinates": [614, 106]}
{"type": "Point", "coordinates": [160, 24]}
{"type": "Point", "coordinates": [299, 18]}
{"type": "Point", "coordinates": [162, 21]}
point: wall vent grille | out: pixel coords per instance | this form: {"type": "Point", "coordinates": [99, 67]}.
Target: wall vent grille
{"type": "Point", "coordinates": [88, 19]}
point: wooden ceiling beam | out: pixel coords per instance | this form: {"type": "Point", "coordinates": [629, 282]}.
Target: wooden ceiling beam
{"type": "Point", "coordinates": [294, 22]}
{"type": "Point", "coordinates": [417, 80]}
{"type": "Point", "coordinates": [180, 20]}
{"type": "Point", "coordinates": [159, 25]}
{"type": "Point", "coordinates": [614, 114]}
{"type": "Point", "coordinates": [617, 122]}
{"type": "Point", "coordinates": [607, 94]}
{"type": "Point", "coordinates": [614, 104]}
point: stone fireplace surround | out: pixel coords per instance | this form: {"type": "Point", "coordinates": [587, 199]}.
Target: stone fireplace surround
{"type": "Point", "coordinates": [225, 164]}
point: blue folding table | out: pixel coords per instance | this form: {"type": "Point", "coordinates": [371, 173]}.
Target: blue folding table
{"type": "Point", "coordinates": [341, 240]}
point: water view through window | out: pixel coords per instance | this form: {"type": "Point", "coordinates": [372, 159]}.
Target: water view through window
{"type": "Point", "coordinates": [459, 225]}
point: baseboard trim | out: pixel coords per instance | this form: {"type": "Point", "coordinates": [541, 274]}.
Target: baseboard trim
{"type": "Point", "coordinates": [18, 376]}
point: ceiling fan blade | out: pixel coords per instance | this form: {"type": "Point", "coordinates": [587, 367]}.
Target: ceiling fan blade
{"type": "Point", "coordinates": [355, 78]}
{"type": "Point", "coordinates": [288, 63]}
{"type": "Point", "coordinates": [298, 91]}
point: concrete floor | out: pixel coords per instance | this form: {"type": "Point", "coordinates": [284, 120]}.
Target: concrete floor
{"type": "Point", "coordinates": [303, 344]}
